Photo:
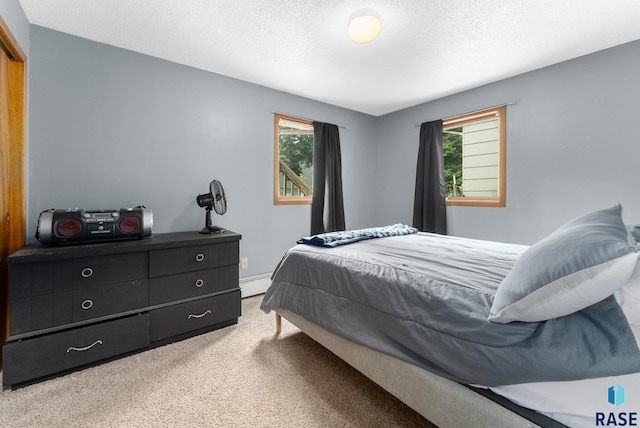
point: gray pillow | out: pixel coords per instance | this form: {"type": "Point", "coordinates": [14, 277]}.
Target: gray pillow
{"type": "Point", "coordinates": [580, 264]}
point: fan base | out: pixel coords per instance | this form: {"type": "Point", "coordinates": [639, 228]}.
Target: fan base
{"type": "Point", "coordinates": [210, 229]}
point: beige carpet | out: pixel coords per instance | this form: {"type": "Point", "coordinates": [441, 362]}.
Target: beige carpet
{"type": "Point", "coordinates": [240, 376]}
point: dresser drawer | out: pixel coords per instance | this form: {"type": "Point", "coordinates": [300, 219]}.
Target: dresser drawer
{"type": "Point", "coordinates": [110, 299]}
{"type": "Point", "coordinates": [184, 317]}
{"type": "Point", "coordinates": [187, 259]}
{"type": "Point", "coordinates": [40, 312]}
{"type": "Point", "coordinates": [53, 277]}
{"type": "Point", "coordinates": [92, 271]}
{"type": "Point", "coordinates": [33, 358]}
{"type": "Point", "coordinates": [192, 284]}
{"type": "Point", "coordinates": [36, 279]}
{"type": "Point", "coordinates": [50, 310]}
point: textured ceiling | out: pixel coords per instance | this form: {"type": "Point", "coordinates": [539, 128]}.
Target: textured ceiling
{"type": "Point", "coordinates": [427, 48]}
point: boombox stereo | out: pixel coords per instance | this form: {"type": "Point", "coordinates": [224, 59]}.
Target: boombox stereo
{"type": "Point", "coordinates": [75, 226]}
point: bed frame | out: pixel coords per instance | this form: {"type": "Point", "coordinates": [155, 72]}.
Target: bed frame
{"type": "Point", "coordinates": [441, 401]}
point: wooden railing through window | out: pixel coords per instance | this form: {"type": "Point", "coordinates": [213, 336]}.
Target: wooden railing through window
{"type": "Point", "coordinates": [290, 183]}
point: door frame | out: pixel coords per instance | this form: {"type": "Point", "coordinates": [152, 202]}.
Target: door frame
{"type": "Point", "coordinates": [15, 217]}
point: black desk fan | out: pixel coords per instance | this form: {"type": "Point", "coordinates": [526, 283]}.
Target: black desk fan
{"type": "Point", "coordinates": [215, 200]}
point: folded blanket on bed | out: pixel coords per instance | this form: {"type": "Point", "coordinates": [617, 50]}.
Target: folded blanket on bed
{"type": "Point", "coordinates": [333, 239]}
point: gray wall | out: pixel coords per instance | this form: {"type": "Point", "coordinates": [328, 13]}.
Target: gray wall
{"type": "Point", "coordinates": [571, 147]}
{"type": "Point", "coordinates": [111, 128]}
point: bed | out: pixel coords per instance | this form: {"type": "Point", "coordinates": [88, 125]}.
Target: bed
{"type": "Point", "coordinates": [478, 333]}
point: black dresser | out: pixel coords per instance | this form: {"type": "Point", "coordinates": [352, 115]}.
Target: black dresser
{"type": "Point", "coordinates": [75, 306]}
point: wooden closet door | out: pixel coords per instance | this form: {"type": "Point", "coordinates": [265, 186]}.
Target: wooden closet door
{"type": "Point", "coordinates": [12, 160]}
{"type": "Point", "coordinates": [4, 182]}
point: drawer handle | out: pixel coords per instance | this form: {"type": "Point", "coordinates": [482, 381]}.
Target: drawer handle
{"type": "Point", "coordinates": [199, 283]}
{"type": "Point", "coordinates": [87, 272]}
{"type": "Point", "coordinates": [199, 316]}
{"type": "Point", "coordinates": [73, 348]}
{"type": "Point", "coordinates": [199, 257]}
{"type": "Point", "coordinates": [87, 304]}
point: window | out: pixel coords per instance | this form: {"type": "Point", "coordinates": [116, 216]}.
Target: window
{"type": "Point", "coordinates": [474, 158]}
{"type": "Point", "coordinates": [293, 164]}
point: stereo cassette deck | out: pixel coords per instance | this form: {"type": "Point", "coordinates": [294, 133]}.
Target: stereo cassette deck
{"type": "Point", "coordinates": [76, 226]}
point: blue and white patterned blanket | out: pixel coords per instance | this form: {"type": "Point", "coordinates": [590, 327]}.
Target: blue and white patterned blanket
{"type": "Point", "coordinates": [333, 239]}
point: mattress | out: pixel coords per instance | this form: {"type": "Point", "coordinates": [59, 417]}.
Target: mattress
{"type": "Point", "coordinates": [584, 403]}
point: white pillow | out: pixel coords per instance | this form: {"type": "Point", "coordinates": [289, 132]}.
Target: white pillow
{"type": "Point", "coordinates": [628, 297]}
{"type": "Point", "coordinates": [582, 263]}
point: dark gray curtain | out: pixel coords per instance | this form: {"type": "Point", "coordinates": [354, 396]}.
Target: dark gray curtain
{"type": "Point", "coordinates": [429, 206]}
{"type": "Point", "coordinates": [327, 209]}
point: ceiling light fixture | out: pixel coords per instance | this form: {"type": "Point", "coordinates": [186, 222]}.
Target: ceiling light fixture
{"type": "Point", "coordinates": [364, 26]}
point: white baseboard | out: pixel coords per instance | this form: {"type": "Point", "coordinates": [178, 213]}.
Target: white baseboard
{"type": "Point", "coordinates": [254, 285]}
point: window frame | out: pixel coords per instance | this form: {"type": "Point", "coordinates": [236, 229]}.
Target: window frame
{"type": "Point", "coordinates": [277, 199]}
{"type": "Point", "coordinates": [500, 200]}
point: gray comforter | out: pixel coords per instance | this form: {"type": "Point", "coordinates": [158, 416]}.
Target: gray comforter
{"type": "Point", "coordinates": [425, 298]}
